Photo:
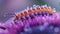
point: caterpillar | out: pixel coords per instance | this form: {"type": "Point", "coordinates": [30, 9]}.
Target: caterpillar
{"type": "Point", "coordinates": [34, 20]}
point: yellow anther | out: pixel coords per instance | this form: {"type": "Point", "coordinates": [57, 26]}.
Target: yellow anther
{"type": "Point", "coordinates": [29, 12]}
{"type": "Point", "coordinates": [25, 13]}
{"type": "Point", "coordinates": [19, 15]}
{"type": "Point", "coordinates": [22, 14]}
{"type": "Point", "coordinates": [42, 9]}
{"type": "Point", "coordinates": [33, 10]}
{"type": "Point", "coordinates": [37, 9]}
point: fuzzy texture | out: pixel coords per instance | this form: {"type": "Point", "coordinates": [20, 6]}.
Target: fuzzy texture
{"type": "Point", "coordinates": [30, 19]}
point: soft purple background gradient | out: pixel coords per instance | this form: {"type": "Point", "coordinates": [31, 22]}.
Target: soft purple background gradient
{"type": "Point", "coordinates": [9, 7]}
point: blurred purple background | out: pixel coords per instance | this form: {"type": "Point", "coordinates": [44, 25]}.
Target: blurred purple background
{"type": "Point", "coordinates": [9, 7]}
